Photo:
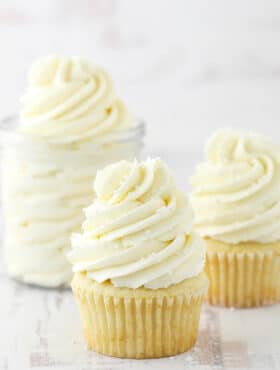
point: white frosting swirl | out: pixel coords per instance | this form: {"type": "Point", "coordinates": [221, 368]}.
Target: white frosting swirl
{"type": "Point", "coordinates": [71, 100]}
{"type": "Point", "coordinates": [236, 190]}
{"type": "Point", "coordinates": [72, 124]}
{"type": "Point", "coordinates": [138, 232]}
{"type": "Point", "coordinates": [44, 191]}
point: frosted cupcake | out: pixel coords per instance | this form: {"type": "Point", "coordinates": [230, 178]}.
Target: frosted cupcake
{"type": "Point", "coordinates": [138, 264]}
{"type": "Point", "coordinates": [236, 199]}
{"type": "Point", "coordinates": [72, 123]}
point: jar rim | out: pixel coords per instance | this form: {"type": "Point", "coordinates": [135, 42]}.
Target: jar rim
{"type": "Point", "coordinates": [9, 123]}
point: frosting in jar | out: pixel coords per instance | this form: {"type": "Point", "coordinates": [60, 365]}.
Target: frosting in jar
{"type": "Point", "coordinates": [70, 100]}
{"type": "Point", "coordinates": [72, 124]}
{"type": "Point", "coordinates": [236, 189]}
{"type": "Point", "coordinates": [138, 231]}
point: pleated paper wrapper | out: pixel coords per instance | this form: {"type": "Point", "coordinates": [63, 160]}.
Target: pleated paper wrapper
{"type": "Point", "coordinates": [246, 275]}
{"type": "Point", "coordinates": [140, 323]}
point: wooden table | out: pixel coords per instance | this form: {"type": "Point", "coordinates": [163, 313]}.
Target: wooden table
{"type": "Point", "coordinates": [40, 329]}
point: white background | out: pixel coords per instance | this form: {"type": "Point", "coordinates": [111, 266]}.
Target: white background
{"type": "Point", "coordinates": [187, 68]}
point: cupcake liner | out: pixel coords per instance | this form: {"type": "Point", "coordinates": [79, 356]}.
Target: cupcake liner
{"type": "Point", "coordinates": [140, 323]}
{"type": "Point", "coordinates": [243, 276]}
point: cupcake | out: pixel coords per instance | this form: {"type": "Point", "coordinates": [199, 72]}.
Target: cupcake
{"type": "Point", "coordinates": [236, 199]}
{"type": "Point", "coordinates": [138, 264]}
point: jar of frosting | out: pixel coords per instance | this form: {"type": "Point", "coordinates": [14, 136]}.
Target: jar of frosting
{"type": "Point", "coordinates": [72, 124]}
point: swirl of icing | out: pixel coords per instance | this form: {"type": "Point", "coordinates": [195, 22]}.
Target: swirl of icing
{"type": "Point", "coordinates": [70, 100]}
{"type": "Point", "coordinates": [138, 232]}
{"type": "Point", "coordinates": [236, 190]}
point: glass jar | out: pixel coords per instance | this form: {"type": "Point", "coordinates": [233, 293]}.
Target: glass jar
{"type": "Point", "coordinates": [44, 190]}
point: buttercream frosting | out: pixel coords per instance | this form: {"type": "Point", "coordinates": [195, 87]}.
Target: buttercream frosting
{"type": "Point", "coordinates": [72, 123]}
{"type": "Point", "coordinates": [138, 231]}
{"type": "Point", "coordinates": [236, 189]}
{"type": "Point", "coordinates": [70, 100]}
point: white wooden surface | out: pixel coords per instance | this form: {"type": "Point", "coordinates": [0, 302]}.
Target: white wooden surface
{"type": "Point", "coordinates": [40, 329]}
{"type": "Point", "coordinates": [187, 67]}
